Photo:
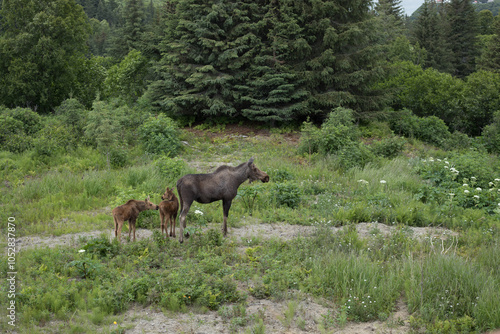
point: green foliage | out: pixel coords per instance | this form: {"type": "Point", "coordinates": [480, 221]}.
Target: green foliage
{"type": "Point", "coordinates": [159, 135]}
{"type": "Point", "coordinates": [170, 169]}
{"type": "Point", "coordinates": [286, 194]}
{"type": "Point", "coordinates": [126, 80]}
{"type": "Point", "coordinates": [17, 128]}
{"type": "Point", "coordinates": [448, 288]}
{"type": "Point", "coordinates": [294, 66]}
{"type": "Point", "coordinates": [56, 29]}
{"type": "Point", "coordinates": [491, 134]}
{"type": "Point", "coordinates": [388, 147]}
{"type": "Point", "coordinates": [73, 114]}
{"type": "Point", "coordinates": [102, 247]}
{"type": "Point", "coordinates": [337, 132]}
{"type": "Point", "coordinates": [429, 129]}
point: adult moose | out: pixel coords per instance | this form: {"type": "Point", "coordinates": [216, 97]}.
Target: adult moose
{"type": "Point", "coordinates": [130, 211]}
{"type": "Point", "coordinates": [220, 185]}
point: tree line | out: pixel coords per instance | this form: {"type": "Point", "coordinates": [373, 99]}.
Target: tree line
{"type": "Point", "coordinates": [270, 61]}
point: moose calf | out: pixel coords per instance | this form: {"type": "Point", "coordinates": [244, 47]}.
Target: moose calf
{"type": "Point", "coordinates": [168, 212]}
{"type": "Point", "coordinates": [130, 211]}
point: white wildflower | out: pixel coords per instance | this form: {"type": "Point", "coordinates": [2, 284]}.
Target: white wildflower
{"type": "Point", "coordinates": [81, 251]}
{"type": "Point", "coordinates": [478, 189]}
{"type": "Point", "coordinates": [198, 212]}
{"type": "Point", "coordinates": [466, 191]}
{"type": "Point", "coordinates": [476, 196]}
{"type": "Point", "coordinates": [383, 181]}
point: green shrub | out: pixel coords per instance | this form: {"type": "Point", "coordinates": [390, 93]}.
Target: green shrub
{"type": "Point", "coordinates": [170, 168]}
{"type": "Point", "coordinates": [286, 194]}
{"type": "Point", "coordinates": [72, 113]}
{"type": "Point", "coordinates": [118, 157]}
{"type": "Point", "coordinates": [31, 121]}
{"type": "Point", "coordinates": [13, 137]}
{"type": "Point", "coordinates": [353, 154]}
{"type": "Point", "coordinates": [336, 132]}
{"type": "Point", "coordinates": [160, 135]}
{"type": "Point", "coordinates": [53, 138]}
{"type": "Point", "coordinates": [388, 147]}
{"type": "Point", "coordinates": [429, 129]}
{"type": "Point", "coordinates": [491, 134]}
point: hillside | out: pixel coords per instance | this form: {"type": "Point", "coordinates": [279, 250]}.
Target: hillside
{"type": "Point", "coordinates": [320, 248]}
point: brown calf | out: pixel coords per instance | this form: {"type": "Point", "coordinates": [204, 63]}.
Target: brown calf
{"type": "Point", "coordinates": [168, 212]}
{"type": "Point", "coordinates": [129, 211]}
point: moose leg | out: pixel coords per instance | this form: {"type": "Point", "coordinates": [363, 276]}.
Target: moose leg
{"type": "Point", "coordinates": [226, 205]}
{"type": "Point", "coordinates": [172, 223]}
{"type": "Point", "coordinates": [182, 219]}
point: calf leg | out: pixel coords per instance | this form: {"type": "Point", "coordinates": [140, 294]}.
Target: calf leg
{"type": "Point", "coordinates": [162, 222]}
{"type": "Point", "coordinates": [132, 225]}
{"type": "Point", "coordinates": [118, 231]}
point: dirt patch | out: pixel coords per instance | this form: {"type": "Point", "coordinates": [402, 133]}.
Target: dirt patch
{"type": "Point", "coordinates": [243, 234]}
{"type": "Point", "coordinates": [310, 316]}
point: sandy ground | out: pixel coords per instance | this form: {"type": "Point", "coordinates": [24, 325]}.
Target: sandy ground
{"type": "Point", "coordinates": [310, 313]}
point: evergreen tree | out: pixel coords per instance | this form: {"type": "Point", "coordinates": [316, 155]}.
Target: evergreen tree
{"type": "Point", "coordinates": [462, 36]}
{"type": "Point", "coordinates": [430, 31]}
{"type": "Point", "coordinates": [390, 8]}
{"type": "Point", "coordinates": [339, 56]}
{"type": "Point", "coordinates": [490, 59]}
{"type": "Point", "coordinates": [268, 60]}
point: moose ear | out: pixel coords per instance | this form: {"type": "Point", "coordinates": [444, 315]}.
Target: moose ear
{"type": "Point", "coordinates": [147, 199]}
{"type": "Point", "coordinates": [250, 161]}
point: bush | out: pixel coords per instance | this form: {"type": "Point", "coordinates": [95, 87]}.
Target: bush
{"type": "Point", "coordinates": [335, 133]}
{"type": "Point", "coordinates": [118, 157]}
{"type": "Point", "coordinates": [491, 134]}
{"type": "Point", "coordinates": [72, 113]}
{"type": "Point", "coordinates": [388, 147]}
{"type": "Point", "coordinates": [353, 154]}
{"type": "Point", "coordinates": [17, 126]}
{"type": "Point", "coordinates": [430, 129]}
{"type": "Point", "coordinates": [286, 194]}
{"type": "Point", "coordinates": [54, 137]}
{"type": "Point", "coordinates": [170, 168]}
{"type": "Point", "coordinates": [160, 135]}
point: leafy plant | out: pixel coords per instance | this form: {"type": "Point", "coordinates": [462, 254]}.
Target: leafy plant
{"type": "Point", "coordinates": [160, 135]}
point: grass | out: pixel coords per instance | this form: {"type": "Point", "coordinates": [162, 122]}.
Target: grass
{"type": "Point", "coordinates": [449, 285]}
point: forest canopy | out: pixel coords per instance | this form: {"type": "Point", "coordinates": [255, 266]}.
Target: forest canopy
{"type": "Point", "coordinates": [267, 61]}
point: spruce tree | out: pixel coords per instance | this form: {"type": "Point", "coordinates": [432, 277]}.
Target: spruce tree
{"type": "Point", "coordinates": [462, 36]}
{"type": "Point", "coordinates": [268, 60]}
{"type": "Point", "coordinates": [490, 59]}
{"type": "Point", "coordinates": [430, 31]}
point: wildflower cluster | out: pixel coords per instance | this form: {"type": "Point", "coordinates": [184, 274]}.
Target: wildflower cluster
{"type": "Point", "coordinates": [445, 187]}
{"type": "Point", "coordinates": [469, 195]}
